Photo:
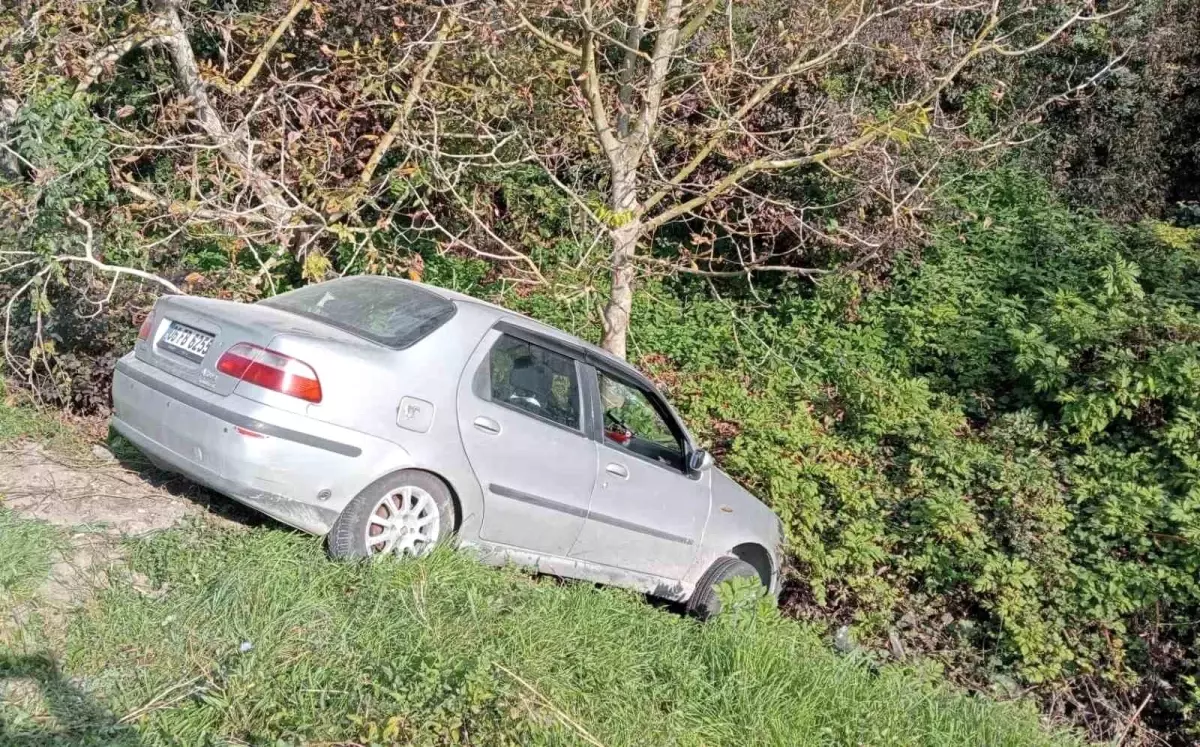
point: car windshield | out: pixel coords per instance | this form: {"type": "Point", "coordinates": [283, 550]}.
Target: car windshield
{"type": "Point", "coordinates": [379, 309]}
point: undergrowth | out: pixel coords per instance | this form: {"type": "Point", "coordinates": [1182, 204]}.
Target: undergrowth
{"type": "Point", "coordinates": [18, 420]}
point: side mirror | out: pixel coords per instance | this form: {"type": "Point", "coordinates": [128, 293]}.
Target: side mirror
{"type": "Point", "coordinates": [699, 460]}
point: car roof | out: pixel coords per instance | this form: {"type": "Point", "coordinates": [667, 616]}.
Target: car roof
{"type": "Point", "coordinates": [500, 313]}
{"type": "Point", "coordinates": [578, 346]}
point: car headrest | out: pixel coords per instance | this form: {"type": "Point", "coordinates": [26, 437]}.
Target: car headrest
{"type": "Point", "coordinates": [530, 376]}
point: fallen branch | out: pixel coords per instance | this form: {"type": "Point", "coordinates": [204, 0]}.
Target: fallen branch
{"type": "Point", "coordinates": [111, 54]}
{"type": "Point", "coordinates": [174, 207]}
{"type": "Point", "coordinates": [89, 257]}
{"type": "Point", "coordinates": [234, 148]}
{"type": "Point", "coordinates": [1120, 740]}
{"type": "Point", "coordinates": [265, 52]}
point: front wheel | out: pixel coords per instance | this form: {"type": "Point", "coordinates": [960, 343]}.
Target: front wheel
{"type": "Point", "coordinates": [704, 602]}
{"type": "Point", "coordinates": [404, 514]}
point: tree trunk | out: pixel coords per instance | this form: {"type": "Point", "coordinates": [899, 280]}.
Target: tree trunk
{"type": "Point", "coordinates": [623, 202]}
{"type": "Point", "coordinates": [233, 147]}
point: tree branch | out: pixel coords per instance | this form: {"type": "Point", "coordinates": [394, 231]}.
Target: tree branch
{"type": "Point", "coordinates": [110, 54]}
{"type": "Point", "coordinates": [233, 148]}
{"type": "Point", "coordinates": [265, 52]}
{"type": "Point", "coordinates": [590, 84]}
{"type": "Point", "coordinates": [697, 22]}
{"type": "Point", "coordinates": [1078, 17]}
{"type": "Point", "coordinates": [978, 47]}
{"type": "Point", "coordinates": [89, 257]}
{"type": "Point", "coordinates": [664, 50]}
{"type": "Point", "coordinates": [410, 99]}
{"type": "Point", "coordinates": [800, 65]}
{"type": "Point", "coordinates": [545, 38]}
{"type": "Point", "coordinates": [757, 165]}
{"type": "Point", "coordinates": [633, 41]}
{"type": "Point", "coordinates": [744, 270]}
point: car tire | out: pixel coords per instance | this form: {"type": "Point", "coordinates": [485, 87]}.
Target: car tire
{"type": "Point", "coordinates": [704, 602]}
{"type": "Point", "coordinates": [405, 498]}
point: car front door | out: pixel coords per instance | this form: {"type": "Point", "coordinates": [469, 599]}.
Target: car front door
{"type": "Point", "coordinates": [648, 512]}
{"type": "Point", "coordinates": [521, 416]}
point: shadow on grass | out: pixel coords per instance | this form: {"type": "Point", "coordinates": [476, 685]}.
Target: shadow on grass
{"type": "Point", "coordinates": [75, 719]}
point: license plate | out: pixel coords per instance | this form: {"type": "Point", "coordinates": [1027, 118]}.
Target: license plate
{"type": "Point", "coordinates": [183, 340]}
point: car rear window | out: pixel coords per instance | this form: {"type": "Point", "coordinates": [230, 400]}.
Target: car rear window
{"type": "Point", "coordinates": [383, 310]}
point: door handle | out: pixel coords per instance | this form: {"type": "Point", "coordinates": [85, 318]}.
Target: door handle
{"type": "Point", "coordinates": [487, 425]}
{"type": "Point", "coordinates": [617, 470]}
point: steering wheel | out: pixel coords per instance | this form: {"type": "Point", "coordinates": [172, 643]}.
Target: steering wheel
{"type": "Point", "coordinates": [616, 429]}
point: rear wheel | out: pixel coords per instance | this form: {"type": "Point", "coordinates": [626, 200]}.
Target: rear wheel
{"type": "Point", "coordinates": [704, 602]}
{"type": "Point", "coordinates": [404, 514]}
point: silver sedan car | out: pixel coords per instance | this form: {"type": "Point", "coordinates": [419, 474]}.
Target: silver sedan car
{"type": "Point", "coordinates": [389, 416]}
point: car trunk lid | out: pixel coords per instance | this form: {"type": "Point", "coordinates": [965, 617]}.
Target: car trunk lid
{"type": "Point", "coordinates": [188, 335]}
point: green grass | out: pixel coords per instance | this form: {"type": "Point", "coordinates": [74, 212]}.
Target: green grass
{"type": "Point", "coordinates": [21, 421]}
{"type": "Point", "coordinates": [35, 699]}
{"type": "Point", "coordinates": [26, 551]}
{"type": "Point", "coordinates": [440, 651]}
{"type": "Point", "coordinates": [446, 651]}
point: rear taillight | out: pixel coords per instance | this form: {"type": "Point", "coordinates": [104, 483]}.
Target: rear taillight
{"type": "Point", "coordinates": [271, 370]}
{"type": "Point", "coordinates": [144, 331]}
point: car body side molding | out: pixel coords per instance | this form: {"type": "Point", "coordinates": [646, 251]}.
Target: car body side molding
{"type": "Point", "coordinates": [535, 500]}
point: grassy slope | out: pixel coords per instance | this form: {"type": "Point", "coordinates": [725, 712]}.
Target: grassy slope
{"type": "Point", "coordinates": [432, 652]}
{"type": "Point", "coordinates": [445, 649]}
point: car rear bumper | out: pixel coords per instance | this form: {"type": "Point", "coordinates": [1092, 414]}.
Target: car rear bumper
{"type": "Point", "coordinates": [292, 468]}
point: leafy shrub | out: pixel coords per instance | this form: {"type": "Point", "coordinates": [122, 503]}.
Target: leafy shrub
{"type": "Point", "coordinates": [1007, 436]}
{"type": "Point", "coordinates": [1001, 445]}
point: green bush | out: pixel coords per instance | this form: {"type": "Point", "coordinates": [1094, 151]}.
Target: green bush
{"type": "Point", "coordinates": [1002, 443]}
{"type": "Point", "coordinates": [1006, 436]}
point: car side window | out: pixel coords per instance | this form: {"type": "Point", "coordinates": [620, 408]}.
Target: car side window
{"type": "Point", "coordinates": [632, 422]}
{"type": "Point", "coordinates": [535, 380]}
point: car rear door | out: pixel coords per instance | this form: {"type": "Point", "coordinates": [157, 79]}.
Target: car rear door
{"type": "Point", "coordinates": [521, 414]}
{"type": "Point", "coordinates": [648, 512]}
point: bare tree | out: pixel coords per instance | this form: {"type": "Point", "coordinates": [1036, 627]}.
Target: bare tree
{"type": "Point", "coordinates": [649, 70]}
{"type": "Point", "coordinates": [655, 118]}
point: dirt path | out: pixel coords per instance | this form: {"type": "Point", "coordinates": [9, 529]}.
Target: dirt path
{"type": "Point", "coordinates": [86, 492]}
{"type": "Point", "coordinates": [97, 501]}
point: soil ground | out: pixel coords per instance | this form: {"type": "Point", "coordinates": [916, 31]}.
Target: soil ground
{"type": "Point", "coordinates": [99, 500]}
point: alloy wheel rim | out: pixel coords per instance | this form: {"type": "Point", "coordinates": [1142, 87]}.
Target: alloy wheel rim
{"type": "Point", "coordinates": [405, 521]}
